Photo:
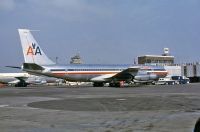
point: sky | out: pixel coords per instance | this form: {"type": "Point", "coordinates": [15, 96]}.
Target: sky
{"type": "Point", "coordinates": [101, 31]}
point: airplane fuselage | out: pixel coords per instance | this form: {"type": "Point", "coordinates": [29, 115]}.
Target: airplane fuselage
{"type": "Point", "coordinates": [101, 73]}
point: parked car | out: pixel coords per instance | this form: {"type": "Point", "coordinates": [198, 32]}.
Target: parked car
{"type": "Point", "coordinates": [181, 79]}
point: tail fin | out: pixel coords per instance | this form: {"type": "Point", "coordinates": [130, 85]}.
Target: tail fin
{"type": "Point", "coordinates": [31, 50]}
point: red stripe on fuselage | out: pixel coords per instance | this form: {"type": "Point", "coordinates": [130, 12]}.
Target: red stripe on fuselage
{"type": "Point", "coordinates": [101, 73]}
{"type": "Point", "coordinates": [160, 73]}
{"type": "Point", "coordinates": [74, 73]}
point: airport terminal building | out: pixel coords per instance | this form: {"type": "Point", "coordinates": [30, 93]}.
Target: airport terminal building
{"type": "Point", "coordinates": [190, 70]}
{"type": "Point", "coordinates": [156, 59]}
{"type": "Point", "coordinates": [164, 60]}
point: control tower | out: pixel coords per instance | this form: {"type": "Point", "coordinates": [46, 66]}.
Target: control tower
{"type": "Point", "coordinates": [76, 59]}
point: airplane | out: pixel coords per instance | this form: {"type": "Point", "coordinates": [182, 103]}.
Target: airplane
{"type": "Point", "coordinates": [38, 63]}
{"type": "Point", "coordinates": [24, 79]}
{"type": "Point", "coordinates": [17, 79]}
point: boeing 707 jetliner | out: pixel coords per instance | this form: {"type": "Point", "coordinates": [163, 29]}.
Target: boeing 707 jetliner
{"type": "Point", "coordinates": [36, 62]}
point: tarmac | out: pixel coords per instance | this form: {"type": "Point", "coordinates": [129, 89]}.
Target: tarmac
{"type": "Point", "coordinates": [166, 108]}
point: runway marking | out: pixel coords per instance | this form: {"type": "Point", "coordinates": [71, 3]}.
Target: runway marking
{"type": "Point", "coordinates": [1, 106]}
{"type": "Point", "coordinates": [120, 99]}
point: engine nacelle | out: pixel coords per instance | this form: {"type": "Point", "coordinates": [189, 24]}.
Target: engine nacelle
{"type": "Point", "coordinates": [146, 77]}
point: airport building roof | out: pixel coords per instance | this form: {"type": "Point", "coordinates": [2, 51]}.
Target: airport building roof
{"type": "Point", "coordinates": [161, 56]}
{"type": "Point", "coordinates": [156, 59]}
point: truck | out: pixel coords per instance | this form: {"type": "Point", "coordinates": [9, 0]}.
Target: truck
{"type": "Point", "coordinates": [165, 81]}
{"type": "Point", "coordinates": [180, 79]}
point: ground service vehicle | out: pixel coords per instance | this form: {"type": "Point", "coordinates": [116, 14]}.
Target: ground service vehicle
{"type": "Point", "coordinates": [181, 79]}
{"type": "Point", "coordinates": [165, 81]}
{"type": "Point", "coordinates": [172, 80]}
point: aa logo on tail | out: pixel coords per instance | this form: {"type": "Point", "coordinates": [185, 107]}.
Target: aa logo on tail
{"type": "Point", "coordinates": [33, 50]}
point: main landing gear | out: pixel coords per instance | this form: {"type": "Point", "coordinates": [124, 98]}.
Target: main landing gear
{"type": "Point", "coordinates": [21, 84]}
{"type": "Point", "coordinates": [116, 84]}
{"type": "Point", "coordinates": [98, 84]}
{"type": "Point", "coordinates": [111, 84]}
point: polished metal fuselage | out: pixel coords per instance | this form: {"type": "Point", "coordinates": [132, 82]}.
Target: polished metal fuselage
{"type": "Point", "coordinates": [86, 72]}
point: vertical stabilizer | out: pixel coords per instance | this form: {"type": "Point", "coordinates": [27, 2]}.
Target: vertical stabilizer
{"type": "Point", "coordinates": [31, 50]}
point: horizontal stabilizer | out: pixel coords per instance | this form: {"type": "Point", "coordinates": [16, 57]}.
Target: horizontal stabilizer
{"type": "Point", "coordinates": [15, 67]}
{"type": "Point", "coordinates": [32, 66]}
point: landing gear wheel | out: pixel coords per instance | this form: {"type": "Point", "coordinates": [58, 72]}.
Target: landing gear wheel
{"type": "Point", "coordinates": [98, 84]}
{"type": "Point", "coordinates": [21, 85]}
{"type": "Point", "coordinates": [115, 84]}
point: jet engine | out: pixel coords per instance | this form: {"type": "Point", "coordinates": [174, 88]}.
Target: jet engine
{"type": "Point", "coordinates": [146, 77]}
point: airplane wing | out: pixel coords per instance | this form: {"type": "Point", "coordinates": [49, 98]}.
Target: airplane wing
{"type": "Point", "coordinates": [126, 74]}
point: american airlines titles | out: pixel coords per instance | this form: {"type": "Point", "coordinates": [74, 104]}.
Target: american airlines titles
{"type": "Point", "coordinates": [33, 50]}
